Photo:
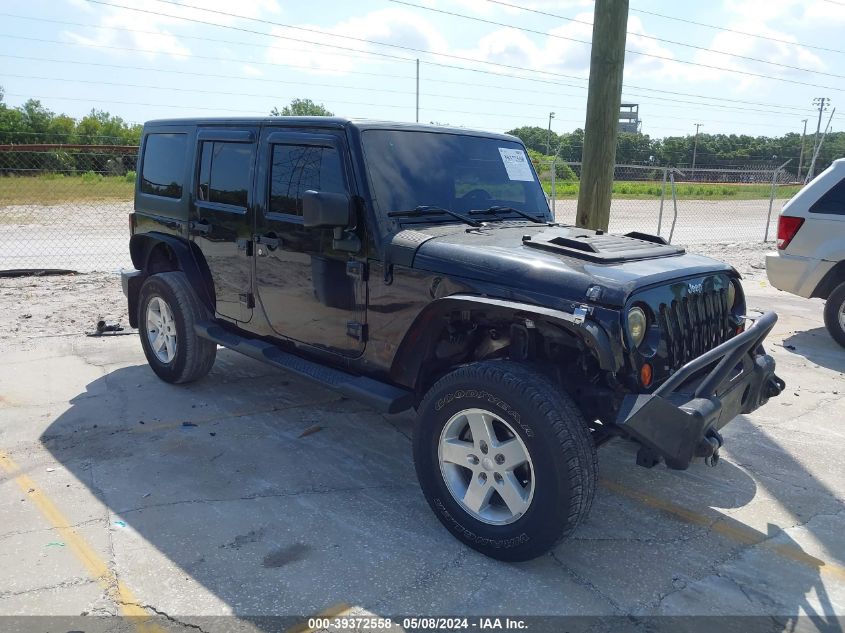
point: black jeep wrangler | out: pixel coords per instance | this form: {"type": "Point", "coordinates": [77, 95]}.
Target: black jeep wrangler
{"type": "Point", "coordinates": [410, 266]}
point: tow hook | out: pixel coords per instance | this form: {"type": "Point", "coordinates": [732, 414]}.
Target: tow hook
{"type": "Point", "coordinates": [709, 447]}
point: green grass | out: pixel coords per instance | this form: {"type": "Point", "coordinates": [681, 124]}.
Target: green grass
{"type": "Point", "coordinates": [648, 190]}
{"type": "Point", "coordinates": [57, 188]}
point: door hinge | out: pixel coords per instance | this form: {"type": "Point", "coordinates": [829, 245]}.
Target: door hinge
{"type": "Point", "coordinates": [248, 299]}
{"type": "Point", "coordinates": [356, 270]}
{"type": "Point", "coordinates": [356, 330]}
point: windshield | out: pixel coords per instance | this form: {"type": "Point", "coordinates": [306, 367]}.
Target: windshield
{"type": "Point", "coordinates": [451, 171]}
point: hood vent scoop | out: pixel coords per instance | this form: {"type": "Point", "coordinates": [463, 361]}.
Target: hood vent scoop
{"type": "Point", "coordinates": [602, 248]}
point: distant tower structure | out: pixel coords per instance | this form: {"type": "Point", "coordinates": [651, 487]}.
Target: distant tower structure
{"type": "Point", "coordinates": [629, 118]}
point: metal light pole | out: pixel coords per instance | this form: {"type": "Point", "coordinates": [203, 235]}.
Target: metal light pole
{"type": "Point", "coordinates": [801, 155]}
{"type": "Point", "coordinates": [418, 90]}
{"type": "Point", "coordinates": [549, 135]}
{"type": "Point", "coordinates": [695, 146]}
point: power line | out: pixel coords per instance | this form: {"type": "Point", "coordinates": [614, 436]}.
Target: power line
{"type": "Point", "coordinates": [254, 112]}
{"type": "Point", "coordinates": [407, 92]}
{"type": "Point", "coordinates": [796, 109]}
{"type": "Point", "coordinates": [182, 36]}
{"type": "Point", "coordinates": [738, 32]}
{"type": "Point", "coordinates": [324, 33]}
{"type": "Point", "coordinates": [627, 50]}
{"type": "Point", "coordinates": [423, 51]}
{"type": "Point", "coordinates": [159, 71]}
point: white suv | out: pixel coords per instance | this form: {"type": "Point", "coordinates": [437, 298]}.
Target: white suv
{"type": "Point", "coordinates": [810, 261]}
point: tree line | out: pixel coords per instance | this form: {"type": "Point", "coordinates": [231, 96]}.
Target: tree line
{"type": "Point", "coordinates": [33, 123]}
{"type": "Point", "coordinates": [713, 149]}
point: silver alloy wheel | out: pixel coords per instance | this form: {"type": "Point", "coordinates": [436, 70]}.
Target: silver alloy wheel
{"type": "Point", "coordinates": [486, 466]}
{"type": "Point", "coordinates": [161, 330]}
{"type": "Point", "coordinates": [842, 316]}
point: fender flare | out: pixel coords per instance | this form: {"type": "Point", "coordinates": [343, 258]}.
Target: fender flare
{"type": "Point", "coordinates": [417, 341]}
{"type": "Point", "coordinates": [188, 259]}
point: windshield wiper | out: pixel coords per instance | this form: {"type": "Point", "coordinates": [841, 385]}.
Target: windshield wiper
{"type": "Point", "coordinates": [500, 209]}
{"type": "Point", "coordinates": [427, 209]}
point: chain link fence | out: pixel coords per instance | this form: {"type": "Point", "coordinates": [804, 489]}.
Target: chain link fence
{"type": "Point", "coordinates": [686, 206]}
{"type": "Point", "coordinates": [66, 206]}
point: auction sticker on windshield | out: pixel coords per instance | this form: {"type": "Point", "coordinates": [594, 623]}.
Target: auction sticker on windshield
{"type": "Point", "coordinates": [516, 164]}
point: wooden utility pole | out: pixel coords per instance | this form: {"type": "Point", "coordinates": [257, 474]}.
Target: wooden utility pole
{"type": "Point", "coordinates": [801, 155]}
{"type": "Point", "coordinates": [607, 61]}
{"type": "Point", "coordinates": [695, 145]}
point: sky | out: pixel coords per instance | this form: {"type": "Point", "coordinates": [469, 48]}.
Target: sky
{"type": "Point", "coordinates": [498, 68]}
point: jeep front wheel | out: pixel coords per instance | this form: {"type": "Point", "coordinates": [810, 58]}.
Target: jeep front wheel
{"type": "Point", "coordinates": [504, 458]}
{"type": "Point", "coordinates": [834, 314]}
{"type": "Point", "coordinates": [168, 308]}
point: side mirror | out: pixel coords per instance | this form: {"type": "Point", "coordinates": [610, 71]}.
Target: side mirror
{"type": "Point", "coordinates": [321, 209]}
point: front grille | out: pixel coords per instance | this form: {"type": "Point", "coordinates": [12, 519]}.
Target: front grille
{"type": "Point", "coordinates": [695, 324]}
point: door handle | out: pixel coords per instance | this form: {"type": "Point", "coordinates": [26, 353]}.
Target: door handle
{"type": "Point", "coordinates": [199, 227]}
{"type": "Point", "coordinates": [269, 240]}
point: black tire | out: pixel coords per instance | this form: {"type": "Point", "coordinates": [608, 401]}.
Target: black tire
{"type": "Point", "coordinates": [193, 356]}
{"type": "Point", "coordinates": [556, 437]}
{"type": "Point", "coordinates": [832, 309]}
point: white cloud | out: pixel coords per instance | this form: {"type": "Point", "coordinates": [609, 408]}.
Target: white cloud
{"type": "Point", "coordinates": [158, 37]}
{"type": "Point", "coordinates": [391, 26]}
{"type": "Point", "coordinates": [757, 17]}
{"type": "Point", "coordinates": [566, 50]}
{"type": "Point", "coordinates": [251, 71]}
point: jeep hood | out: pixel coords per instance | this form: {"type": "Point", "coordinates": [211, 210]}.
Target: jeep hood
{"type": "Point", "coordinates": [558, 261]}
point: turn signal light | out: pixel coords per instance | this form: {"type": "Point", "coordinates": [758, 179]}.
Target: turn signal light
{"type": "Point", "coordinates": [787, 228]}
{"type": "Point", "coordinates": [646, 375]}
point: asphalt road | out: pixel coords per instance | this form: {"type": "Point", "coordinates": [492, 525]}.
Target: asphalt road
{"type": "Point", "coordinates": [251, 493]}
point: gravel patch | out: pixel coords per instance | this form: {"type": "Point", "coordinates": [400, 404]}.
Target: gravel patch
{"type": "Point", "coordinates": [65, 305]}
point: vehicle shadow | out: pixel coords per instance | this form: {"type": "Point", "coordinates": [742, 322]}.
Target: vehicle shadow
{"type": "Point", "coordinates": [818, 347]}
{"type": "Point", "coordinates": [280, 498]}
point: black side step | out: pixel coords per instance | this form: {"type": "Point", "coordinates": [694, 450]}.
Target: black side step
{"type": "Point", "coordinates": [379, 395]}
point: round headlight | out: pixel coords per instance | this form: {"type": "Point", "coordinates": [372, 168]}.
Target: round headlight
{"type": "Point", "coordinates": [637, 324]}
{"type": "Point", "coordinates": [731, 294]}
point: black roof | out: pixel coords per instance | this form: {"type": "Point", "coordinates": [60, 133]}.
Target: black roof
{"type": "Point", "coordinates": [328, 122]}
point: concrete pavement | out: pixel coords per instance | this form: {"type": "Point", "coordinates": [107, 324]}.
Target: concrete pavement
{"type": "Point", "coordinates": [252, 493]}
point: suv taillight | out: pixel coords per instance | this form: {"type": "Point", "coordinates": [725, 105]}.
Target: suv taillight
{"type": "Point", "coordinates": [787, 228]}
{"type": "Point", "coordinates": [131, 224]}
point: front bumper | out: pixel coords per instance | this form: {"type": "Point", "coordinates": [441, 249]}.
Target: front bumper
{"type": "Point", "coordinates": [681, 419]}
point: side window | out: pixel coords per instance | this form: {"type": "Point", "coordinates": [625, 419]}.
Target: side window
{"type": "Point", "coordinates": [224, 172]}
{"type": "Point", "coordinates": [164, 165]}
{"type": "Point", "coordinates": [295, 169]}
{"type": "Point", "coordinates": [833, 201]}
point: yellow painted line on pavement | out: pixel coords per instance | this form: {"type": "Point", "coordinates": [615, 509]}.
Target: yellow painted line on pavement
{"type": "Point", "coordinates": [95, 566]}
{"type": "Point", "coordinates": [728, 527]}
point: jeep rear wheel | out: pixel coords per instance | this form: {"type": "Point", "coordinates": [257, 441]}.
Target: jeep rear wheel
{"type": "Point", "coordinates": [504, 459]}
{"type": "Point", "coordinates": [168, 308]}
{"type": "Point", "coordinates": [834, 314]}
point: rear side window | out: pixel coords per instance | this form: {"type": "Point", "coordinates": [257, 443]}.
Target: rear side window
{"type": "Point", "coordinates": [224, 172]}
{"type": "Point", "coordinates": [164, 165]}
{"type": "Point", "coordinates": [297, 168]}
{"type": "Point", "coordinates": [832, 202]}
